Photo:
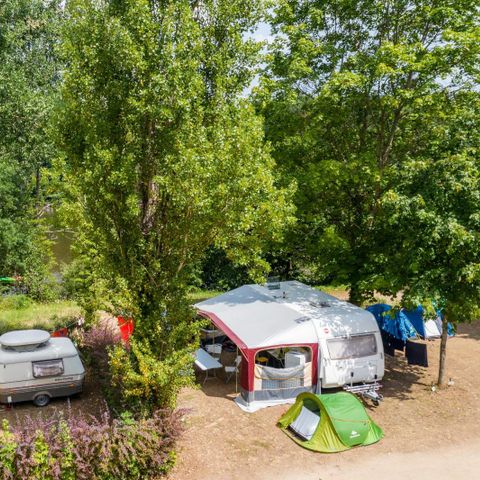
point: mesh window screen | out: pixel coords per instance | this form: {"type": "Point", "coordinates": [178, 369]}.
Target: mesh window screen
{"type": "Point", "coordinates": [279, 384]}
{"type": "Point", "coordinates": [280, 378]}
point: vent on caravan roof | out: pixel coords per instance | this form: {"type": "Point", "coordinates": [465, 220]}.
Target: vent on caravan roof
{"type": "Point", "coordinates": [273, 283]}
{"type": "Point", "coordinates": [24, 340]}
{"type": "Point", "coordinates": [320, 304]}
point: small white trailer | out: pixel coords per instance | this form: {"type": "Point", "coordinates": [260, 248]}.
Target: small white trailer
{"type": "Point", "coordinates": [35, 367]}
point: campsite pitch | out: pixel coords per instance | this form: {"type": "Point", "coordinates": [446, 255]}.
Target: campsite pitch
{"type": "Point", "coordinates": [434, 434]}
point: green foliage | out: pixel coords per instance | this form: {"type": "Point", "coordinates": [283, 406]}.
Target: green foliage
{"type": "Point", "coordinates": [41, 457]}
{"type": "Point", "coordinates": [74, 447]}
{"type": "Point", "coordinates": [218, 272]}
{"type": "Point", "coordinates": [67, 457]}
{"type": "Point", "coordinates": [28, 75]}
{"type": "Point", "coordinates": [83, 283]}
{"type": "Point", "coordinates": [349, 98]}
{"type": "Point", "coordinates": [435, 206]}
{"type": "Point", "coordinates": [8, 446]}
{"type": "Point", "coordinates": [144, 381]}
{"type": "Point", "coordinates": [16, 302]}
{"type": "Point", "coordinates": [373, 108]}
{"type": "Point", "coordinates": [163, 159]}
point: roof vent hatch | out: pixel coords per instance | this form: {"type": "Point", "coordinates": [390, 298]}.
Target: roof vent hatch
{"type": "Point", "coordinates": [24, 340]}
{"type": "Point", "coordinates": [323, 304]}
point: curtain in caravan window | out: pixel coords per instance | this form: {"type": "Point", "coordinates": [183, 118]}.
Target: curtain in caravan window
{"type": "Point", "coordinates": [47, 368]}
{"type": "Point", "coordinates": [353, 347]}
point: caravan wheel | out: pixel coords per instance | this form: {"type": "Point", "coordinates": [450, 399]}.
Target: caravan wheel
{"type": "Point", "coordinates": [41, 400]}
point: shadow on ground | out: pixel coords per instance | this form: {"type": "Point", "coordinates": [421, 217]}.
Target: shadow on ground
{"type": "Point", "coordinates": [398, 382]}
{"type": "Point", "coordinates": [400, 378]}
{"type": "Point", "coordinates": [469, 330]}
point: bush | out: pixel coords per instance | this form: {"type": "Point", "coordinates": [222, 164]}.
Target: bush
{"type": "Point", "coordinates": [143, 381]}
{"type": "Point", "coordinates": [16, 302]}
{"type": "Point", "coordinates": [82, 283]}
{"type": "Point", "coordinates": [99, 338]}
{"type": "Point", "coordinates": [81, 448]}
{"type": "Point", "coordinates": [95, 345]}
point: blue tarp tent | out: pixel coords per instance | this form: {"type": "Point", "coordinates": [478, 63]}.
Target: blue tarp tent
{"type": "Point", "coordinates": [416, 319]}
{"type": "Point", "coordinates": [398, 325]}
{"type": "Point", "coordinates": [407, 323]}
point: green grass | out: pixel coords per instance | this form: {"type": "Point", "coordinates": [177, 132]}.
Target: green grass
{"type": "Point", "coordinates": [16, 315]}
{"type": "Point", "coordinates": [200, 295]}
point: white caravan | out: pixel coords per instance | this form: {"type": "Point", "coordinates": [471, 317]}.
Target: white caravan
{"type": "Point", "coordinates": [35, 367]}
{"type": "Point", "coordinates": [295, 338]}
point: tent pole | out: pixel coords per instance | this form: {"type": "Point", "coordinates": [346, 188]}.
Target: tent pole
{"type": "Point", "coordinates": [236, 371]}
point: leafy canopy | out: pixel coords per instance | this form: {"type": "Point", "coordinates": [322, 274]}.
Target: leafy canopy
{"type": "Point", "coordinates": [28, 79]}
{"type": "Point", "coordinates": [349, 96]}
{"type": "Point", "coordinates": [435, 206]}
{"type": "Point", "coordinates": [164, 158]}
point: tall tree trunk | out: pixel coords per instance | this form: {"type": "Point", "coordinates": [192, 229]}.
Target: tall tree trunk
{"type": "Point", "coordinates": [355, 295]}
{"type": "Point", "coordinates": [443, 353]}
{"type": "Point", "coordinates": [38, 179]}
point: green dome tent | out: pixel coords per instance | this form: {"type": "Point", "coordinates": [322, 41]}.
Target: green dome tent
{"type": "Point", "coordinates": [329, 423]}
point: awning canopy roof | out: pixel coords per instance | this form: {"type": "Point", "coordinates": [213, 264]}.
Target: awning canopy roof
{"type": "Point", "coordinates": [254, 316]}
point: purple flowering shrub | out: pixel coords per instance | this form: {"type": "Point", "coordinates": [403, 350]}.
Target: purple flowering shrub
{"type": "Point", "coordinates": [98, 340]}
{"type": "Point", "coordinates": [95, 345]}
{"type": "Point", "coordinates": [80, 448]}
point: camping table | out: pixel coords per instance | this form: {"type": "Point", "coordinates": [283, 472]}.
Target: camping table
{"type": "Point", "coordinates": [205, 362]}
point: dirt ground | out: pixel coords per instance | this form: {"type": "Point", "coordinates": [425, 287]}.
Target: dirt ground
{"type": "Point", "coordinates": [435, 435]}
{"type": "Point", "coordinates": [432, 434]}
{"type": "Point", "coordinates": [89, 402]}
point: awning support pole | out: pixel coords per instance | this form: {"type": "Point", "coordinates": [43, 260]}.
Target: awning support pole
{"type": "Point", "coordinates": [236, 371]}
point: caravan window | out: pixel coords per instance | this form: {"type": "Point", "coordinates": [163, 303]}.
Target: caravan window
{"type": "Point", "coordinates": [352, 347]}
{"type": "Point", "coordinates": [48, 368]}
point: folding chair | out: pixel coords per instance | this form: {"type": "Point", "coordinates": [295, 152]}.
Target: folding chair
{"type": "Point", "coordinates": [231, 370]}
{"type": "Point", "coordinates": [214, 349]}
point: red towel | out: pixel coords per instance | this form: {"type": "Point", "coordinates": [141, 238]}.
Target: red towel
{"type": "Point", "coordinates": [126, 328]}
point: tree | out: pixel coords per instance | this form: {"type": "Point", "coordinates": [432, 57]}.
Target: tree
{"type": "Point", "coordinates": [218, 272]}
{"type": "Point", "coordinates": [434, 258]}
{"type": "Point", "coordinates": [347, 96]}
{"type": "Point", "coordinates": [164, 159]}
{"type": "Point", "coordinates": [28, 80]}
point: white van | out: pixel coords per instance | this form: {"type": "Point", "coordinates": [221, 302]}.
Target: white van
{"type": "Point", "coordinates": [35, 367]}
